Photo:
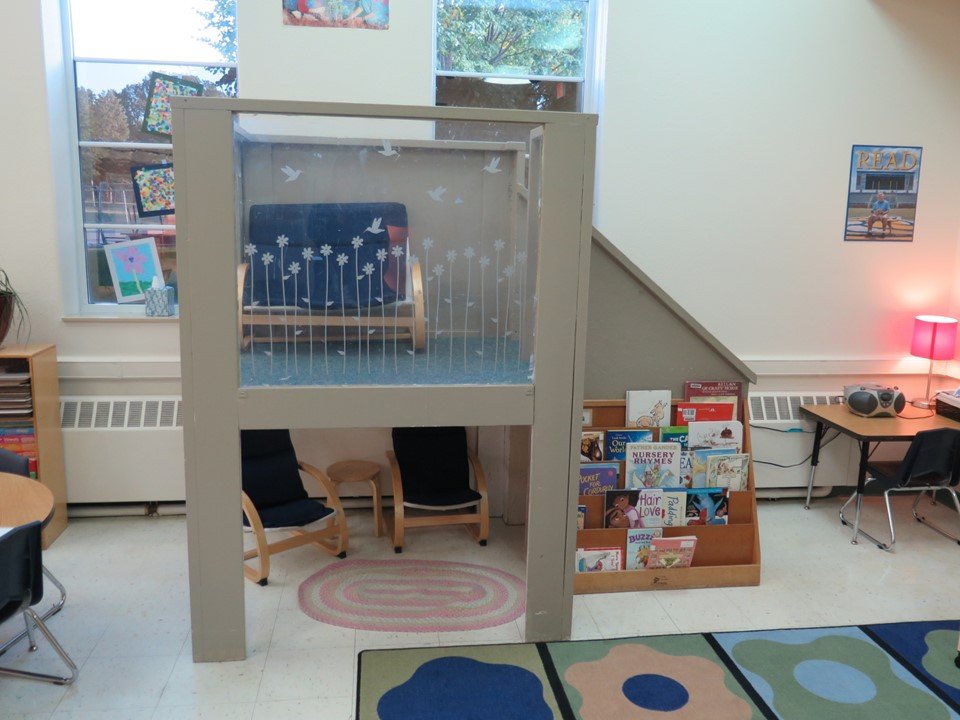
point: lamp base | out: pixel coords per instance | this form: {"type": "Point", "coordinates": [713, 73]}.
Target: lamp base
{"type": "Point", "coordinates": [922, 403]}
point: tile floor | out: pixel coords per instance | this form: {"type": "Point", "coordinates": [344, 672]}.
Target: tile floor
{"type": "Point", "coordinates": [126, 621]}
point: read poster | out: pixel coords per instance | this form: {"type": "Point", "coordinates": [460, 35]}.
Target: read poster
{"type": "Point", "coordinates": [882, 193]}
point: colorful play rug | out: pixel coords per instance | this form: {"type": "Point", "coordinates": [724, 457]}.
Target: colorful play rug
{"type": "Point", "coordinates": [412, 596]}
{"type": "Point", "coordinates": [869, 672]}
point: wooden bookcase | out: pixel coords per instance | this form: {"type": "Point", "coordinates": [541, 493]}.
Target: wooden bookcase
{"type": "Point", "coordinates": [726, 555]}
{"type": "Point", "coordinates": [41, 362]}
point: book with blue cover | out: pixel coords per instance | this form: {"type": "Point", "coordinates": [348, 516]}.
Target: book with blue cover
{"type": "Point", "coordinates": [617, 440]}
{"type": "Point", "coordinates": [707, 506]}
{"type": "Point", "coordinates": [699, 464]}
{"type": "Point", "coordinates": [638, 546]}
{"type": "Point", "coordinates": [597, 478]}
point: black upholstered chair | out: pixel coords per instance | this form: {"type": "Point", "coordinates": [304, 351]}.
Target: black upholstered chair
{"type": "Point", "coordinates": [10, 462]}
{"type": "Point", "coordinates": [430, 469]}
{"type": "Point", "coordinates": [21, 587]}
{"type": "Point", "coordinates": [931, 464]}
{"type": "Point", "coordinates": [274, 499]}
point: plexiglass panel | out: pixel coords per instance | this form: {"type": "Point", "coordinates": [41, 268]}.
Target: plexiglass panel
{"type": "Point", "coordinates": [371, 253]}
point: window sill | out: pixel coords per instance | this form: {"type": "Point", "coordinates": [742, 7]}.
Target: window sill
{"type": "Point", "coordinates": [120, 319]}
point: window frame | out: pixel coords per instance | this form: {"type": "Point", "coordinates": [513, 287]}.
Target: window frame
{"type": "Point", "coordinates": [73, 264]}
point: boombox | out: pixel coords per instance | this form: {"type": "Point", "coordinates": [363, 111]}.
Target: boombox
{"type": "Point", "coordinates": [873, 400]}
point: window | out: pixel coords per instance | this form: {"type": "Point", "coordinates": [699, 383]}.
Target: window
{"type": "Point", "coordinates": [520, 54]}
{"type": "Point", "coordinates": [116, 51]}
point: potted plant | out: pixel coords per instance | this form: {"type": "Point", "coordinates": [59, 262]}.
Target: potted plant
{"type": "Point", "coordinates": [12, 310]}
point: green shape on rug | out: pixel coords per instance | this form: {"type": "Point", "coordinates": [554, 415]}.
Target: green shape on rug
{"type": "Point", "coordinates": [942, 649]}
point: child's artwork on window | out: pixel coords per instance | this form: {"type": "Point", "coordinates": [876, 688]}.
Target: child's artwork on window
{"type": "Point", "coordinates": [363, 14]}
{"type": "Point", "coordinates": [133, 266]}
{"type": "Point", "coordinates": [153, 189]}
{"type": "Point", "coordinates": [157, 116]}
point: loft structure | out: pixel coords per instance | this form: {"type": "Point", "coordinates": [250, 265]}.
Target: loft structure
{"type": "Point", "coordinates": [340, 267]}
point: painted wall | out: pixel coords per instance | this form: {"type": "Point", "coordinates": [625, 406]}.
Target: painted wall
{"type": "Point", "coordinates": [726, 136]}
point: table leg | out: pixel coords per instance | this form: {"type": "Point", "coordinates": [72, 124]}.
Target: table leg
{"type": "Point", "coordinates": [51, 611]}
{"type": "Point", "coordinates": [814, 461]}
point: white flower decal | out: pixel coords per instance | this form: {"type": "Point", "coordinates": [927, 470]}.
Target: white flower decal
{"type": "Point", "coordinates": [508, 271]}
{"type": "Point", "coordinates": [484, 261]}
{"type": "Point", "coordinates": [381, 254]}
{"type": "Point", "coordinates": [368, 269]}
{"type": "Point", "coordinates": [267, 258]}
{"type": "Point", "coordinates": [451, 255]}
{"type": "Point", "coordinates": [397, 251]}
{"type": "Point", "coordinates": [427, 243]}
{"type": "Point", "coordinates": [250, 250]}
{"type": "Point", "coordinates": [308, 254]}
{"type": "Point", "coordinates": [326, 250]}
{"type": "Point", "coordinates": [342, 259]}
{"type": "Point", "coordinates": [499, 244]}
{"type": "Point", "coordinates": [469, 253]}
{"type": "Point", "coordinates": [438, 270]}
{"type": "Point", "coordinates": [282, 241]}
{"type": "Point", "coordinates": [294, 268]}
{"type": "Point", "coordinates": [357, 242]}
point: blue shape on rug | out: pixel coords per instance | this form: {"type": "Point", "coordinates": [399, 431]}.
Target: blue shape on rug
{"type": "Point", "coordinates": [835, 681]}
{"type": "Point", "coordinates": [459, 688]}
{"type": "Point", "coordinates": [655, 692]}
{"type": "Point", "coordinates": [910, 641]}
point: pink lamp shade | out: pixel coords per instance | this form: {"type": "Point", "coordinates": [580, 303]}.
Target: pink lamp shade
{"type": "Point", "coordinates": [934, 337]}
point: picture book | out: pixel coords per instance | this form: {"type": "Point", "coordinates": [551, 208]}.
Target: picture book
{"type": "Point", "coordinates": [674, 433]}
{"type": "Point", "coordinates": [688, 412]}
{"type": "Point", "coordinates": [581, 517]}
{"type": "Point", "coordinates": [597, 478]}
{"type": "Point", "coordinates": [638, 546]}
{"type": "Point", "coordinates": [707, 506]}
{"type": "Point", "coordinates": [699, 464]}
{"type": "Point", "coordinates": [620, 509]}
{"type": "Point", "coordinates": [674, 508]}
{"type": "Point", "coordinates": [717, 391]}
{"type": "Point", "coordinates": [615, 446]}
{"type": "Point", "coordinates": [652, 464]}
{"type": "Point", "coordinates": [650, 507]}
{"type": "Point", "coordinates": [648, 408]}
{"type": "Point", "coordinates": [601, 559]}
{"type": "Point", "coordinates": [672, 552]}
{"type": "Point", "coordinates": [591, 445]}
{"type": "Point", "coordinates": [686, 469]}
{"type": "Point", "coordinates": [728, 471]}
{"type": "Point", "coordinates": [716, 434]}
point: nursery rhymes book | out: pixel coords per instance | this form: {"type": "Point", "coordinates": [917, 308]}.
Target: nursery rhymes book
{"type": "Point", "coordinates": [597, 478]}
{"type": "Point", "coordinates": [672, 552]}
{"type": "Point", "coordinates": [652, 464]}
{"type": "Point", "coordinates": [648, 408]}
{"type": "Point", "coordinates": [616, 442]}
{"type": "Point", "coordinates": [591, 446]}
{"type": "Point", "coordinates": [688, 412]}
{"type": "Point", "coordinates": [707, 506]}
{"type": "Point", "coordinates": [638, 546]}
{"type": "Point", "coordinates": [674, 507]}
{"type": "Point", "coordinates": [699, 465]}
{"type": "Point", "coordinates": [728, 471]}
{"type": "Point", "coordinates": [601, 559]}
{"type": "Point", "coordinates": [716, 434]}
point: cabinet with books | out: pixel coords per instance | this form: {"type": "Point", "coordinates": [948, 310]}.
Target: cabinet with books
{"type": "Point", "coordinates": [30, 421]}
{"type": "Point", "coordinates": [703, 499]}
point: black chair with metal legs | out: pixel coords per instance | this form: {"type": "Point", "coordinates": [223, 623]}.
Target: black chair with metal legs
{"type": "Point", "coordinates": [21, 587]}
{"type": "Point", "coordinates": [11, 462]}
{"type": "Point", "coordinates": [931, 465]}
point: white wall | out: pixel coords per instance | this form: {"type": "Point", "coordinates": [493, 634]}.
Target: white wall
{"type": "Point", "coordinates": [726, 132]}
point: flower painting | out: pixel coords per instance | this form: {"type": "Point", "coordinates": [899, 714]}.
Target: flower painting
{"type": "Point", "coordinates": [157, 115]}
{"type": "Point", "coordinates": [153, 189]}
{"type": "Point", "coordinates": [133, 266]}
{"type": "Point", "coordinates": [358, 14]}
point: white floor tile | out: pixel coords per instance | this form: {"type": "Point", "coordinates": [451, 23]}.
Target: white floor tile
{"type": "Point", "coordinates": [368, 639]}
{"type": "Point", "coordinates": [304, 674]}
{"type": "Point", "coordinates": [25, 716]}
{"type": "Point", "coordinates": [227, 711]}
{"type": "Point", "coordinates": [193, 683]}
{"type": "Point", "coordinates": [308, 709]}
{"type": "Point", "coordinates": [118, 684]}
{"type": "Point", "coordinates": [124, 714]}
{"type": "Point", "coordinates": [631, 613]}
{"type": "Point", "coordinates": [295, 630]}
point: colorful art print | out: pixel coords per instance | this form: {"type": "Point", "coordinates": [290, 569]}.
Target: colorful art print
{"type": "Point", "coordinates": [157, 116]}
{"type": "Point", "coordinates": [652, 464]}
{"type": "Point", "coordinates": [581, 517]}
{"type": "Point", "coordinates": [133, 266]}
{"type": "Point", "coordinates": [707, 506]}
{"type": "Point", "coordinates": [638, 546]}
{"type": "Point", "coordinates": [700, 457]}
{"type": "Point", "coordinates": [591, 446]}
{"type": "Point", "coordinates": [648, 408]}
{"type": "Point", "coordinates": [597, 478]}
{"type": "Point", "coordinates": [671, 552]}
{"type": "Point", "coordinates": [601, 559]}
{"type": "Point", "coordinates": [615, 447]}
{"type": "Point", "coordinates": [688, 412]}
{"type": "Point", "coordinates": [882, 193]}
{"type": "Point", "coordinates": [710, 434]}
{"type": "Point", "coordinates": [728, 471]}
{"type": "Point", "coordinates": [360, 14]}
{"type": "Point", "coordinates": [153, 189]}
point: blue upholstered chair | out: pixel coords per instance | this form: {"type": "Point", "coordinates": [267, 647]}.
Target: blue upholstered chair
{"type": "Point", "coordinates": [21, 587]}
{"type": "Point", "coordinates": [274, 499]}
{"type": "Point", "coordinates": [430, 469]}
{"type": "Point", "coordinates": [10, 462]}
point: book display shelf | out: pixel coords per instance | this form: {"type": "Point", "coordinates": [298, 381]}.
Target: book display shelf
{"type": "Point", "coordinates": [726, 555]}
{"type": "Point", "coordinates": [30, 421]}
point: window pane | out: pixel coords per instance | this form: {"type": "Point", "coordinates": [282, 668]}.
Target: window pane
{"type": "Point", "coordinates": [512, 37]}
{"type": "Point", "coordinates": [107, 188]}
{"type": "Point", "coordinates": [177, 30]}
{"type": "Point", "coordinates": [99, 284]}
{"type": "Point", "coordinates": [475, 92]}
{"type": "Point", "coordinates": [112, 97]}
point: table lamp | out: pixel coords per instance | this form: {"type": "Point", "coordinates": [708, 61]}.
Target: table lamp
{"type": "Point", "coordinates": [934, 338]}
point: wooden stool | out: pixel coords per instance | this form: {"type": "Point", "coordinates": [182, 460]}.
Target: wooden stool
{"type": "Point", "coordinates": [349, 471]}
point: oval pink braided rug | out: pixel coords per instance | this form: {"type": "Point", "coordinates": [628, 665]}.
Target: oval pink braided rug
{"type": "Point", "coordinates": [412, 595]}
